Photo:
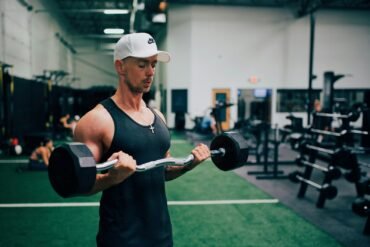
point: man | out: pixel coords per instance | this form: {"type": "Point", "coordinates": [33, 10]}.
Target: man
{"type": "Point", "coordinates": [133, 207]}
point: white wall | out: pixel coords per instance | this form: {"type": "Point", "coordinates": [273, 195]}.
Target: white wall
{"type": "Point", "coordinates": [28, 41]}
{"type": "Point", "coordinates": [15, 37]}
{"type": "Point", "coordinates": [343, 46]}
{"type": "Point", "coordinates": [93, 63]}
{"type": "Point", "coordinates": [224, 46]}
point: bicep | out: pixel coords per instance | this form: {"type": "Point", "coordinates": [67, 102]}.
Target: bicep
{"type": "Point", "coordinates": [94, 146]}
{"type": "Point", "coordinates": [90, 135]}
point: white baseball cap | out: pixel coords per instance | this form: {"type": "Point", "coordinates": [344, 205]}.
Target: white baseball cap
{"type": "Point", "coordinates": [140, 45]}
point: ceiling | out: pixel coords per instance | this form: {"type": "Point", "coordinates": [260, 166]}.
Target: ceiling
{"type": "Point", "coordinates": [86, 18]}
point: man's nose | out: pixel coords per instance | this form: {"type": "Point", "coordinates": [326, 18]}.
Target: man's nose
{"type": "Point", "coordinates": [150, 71]}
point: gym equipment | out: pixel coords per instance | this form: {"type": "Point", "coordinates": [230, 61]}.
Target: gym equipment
{"type": "Point", "coordinates": [337, 157]}
{"type": "Point", "coordinates": [275, 142]}
{"type": "Point", "coordinates": [363, 185]}
{"type": "Point", "coordinates": [361, 207]}
{"type": "Point", "coordinates": [343, 157]}
{"type": "Point", "coordinates": [342, 133]}
{"type": "Point", "coordinates": [327, 190]}
{"type": "Point", "coordinates": [354, 175]}
{"type": "Point", "coordinates": [352, 116]}
{"type": "Point", "coordinates": [328, 89]}
{"type": "Point", "coordinates": [331, 172]}
{"type": "Point", "coordinates": [72, 168]}
{"type": "Point", "coordinates": [252, 131]}
{"type": "Point", "coordinates": [330, 133]}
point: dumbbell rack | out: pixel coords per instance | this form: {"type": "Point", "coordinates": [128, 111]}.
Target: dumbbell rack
{"type": "Point", "coordinates": [307, 175]}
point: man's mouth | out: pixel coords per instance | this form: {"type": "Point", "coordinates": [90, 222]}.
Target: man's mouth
{"type": "Point", "coordinates": [148, 81]}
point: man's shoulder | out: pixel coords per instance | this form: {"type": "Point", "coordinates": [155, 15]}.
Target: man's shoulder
{"type": "Point", "coordinates": [160, 114]}
{"type": "Point", "coordinates": [94, 122]}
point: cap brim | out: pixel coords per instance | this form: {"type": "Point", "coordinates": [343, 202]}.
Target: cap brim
{"type": "Point", "coordinates": [163, 56]}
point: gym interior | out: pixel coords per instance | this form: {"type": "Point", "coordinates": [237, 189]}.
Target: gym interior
{"type": "Point", "coordinates": [291, 78]}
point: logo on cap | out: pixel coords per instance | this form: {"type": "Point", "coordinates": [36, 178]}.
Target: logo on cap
{"type": "Point", "coordinates": [151, 41]}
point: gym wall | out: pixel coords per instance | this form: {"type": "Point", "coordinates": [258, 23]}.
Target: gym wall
{"type": "Point", "coordinates": [221, 47]}
{"type": "Point", "coordinates": [31, 42]}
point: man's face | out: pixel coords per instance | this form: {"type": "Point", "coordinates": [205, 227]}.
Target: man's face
{"type": "Point", "coordinates": [139, 73]}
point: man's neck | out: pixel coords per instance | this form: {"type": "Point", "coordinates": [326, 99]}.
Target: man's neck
{"type": "Point", "coordinates": [128, 100]}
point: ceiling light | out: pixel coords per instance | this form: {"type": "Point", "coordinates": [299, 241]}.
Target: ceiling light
{"type": "Point", "coordinates": [114, 31]}
{"type": "Point", "coordinates": [116, 11]}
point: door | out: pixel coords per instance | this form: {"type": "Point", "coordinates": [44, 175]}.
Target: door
{"type": "Point", "coordinates": [221, 97]}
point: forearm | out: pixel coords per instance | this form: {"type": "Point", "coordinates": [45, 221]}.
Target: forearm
{"type": "Point", "coordinates": [102, 182]}
{"type": "Point", "coordinates": [173, 172]}
{"type": "Point", "coordinates": [200, 154]}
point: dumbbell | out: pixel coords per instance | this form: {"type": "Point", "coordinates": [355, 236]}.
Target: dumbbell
{"type": "Point", "coordinates": [341, 157]}
{"type": "Point", "coordinates": [329, 191]}
{"type": "Point", "coordinates": [332, 172]}
{"type": "Point", "coordinates": [361, 206]}
{"type": "Point", "coordinates": [72, 168]}
{"type": "Point", "coordinates": [354, 175]}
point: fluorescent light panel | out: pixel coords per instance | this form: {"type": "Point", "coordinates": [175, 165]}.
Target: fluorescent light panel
{"type": "Point", "coordinates": [114, 31]}
{"type": "Point", "coordinates": [116, 11]}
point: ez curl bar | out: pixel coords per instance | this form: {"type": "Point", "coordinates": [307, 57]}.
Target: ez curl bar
{"type": "Point", "coordinates": [72, 168]}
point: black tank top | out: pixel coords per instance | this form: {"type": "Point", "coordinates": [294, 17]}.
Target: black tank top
{"type": "Point", "coordinates": [135, 212]}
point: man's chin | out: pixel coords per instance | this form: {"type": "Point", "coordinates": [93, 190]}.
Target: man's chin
{"type": "Point", "coordinates": [146, 88]}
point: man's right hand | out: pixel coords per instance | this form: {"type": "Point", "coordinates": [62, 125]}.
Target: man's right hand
{"type": "Point", "coordinates": [124, 167]}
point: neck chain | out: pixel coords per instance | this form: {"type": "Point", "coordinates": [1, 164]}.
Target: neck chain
{"type": "Point", "coordinates": [151, 127]}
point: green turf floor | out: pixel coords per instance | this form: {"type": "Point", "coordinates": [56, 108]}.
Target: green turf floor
{"type": "Point", "coordinates": [193, 225]}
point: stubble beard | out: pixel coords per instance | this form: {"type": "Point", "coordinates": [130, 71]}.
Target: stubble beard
{"type": "Point", "coordinates": [136, 89]}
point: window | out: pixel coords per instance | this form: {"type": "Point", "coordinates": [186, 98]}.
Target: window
{"type": "Point", "coordinates": [294, 100]}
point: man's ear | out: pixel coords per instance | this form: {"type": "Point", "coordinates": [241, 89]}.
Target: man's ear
{"type": "Point", "coordinates": [120, 67]}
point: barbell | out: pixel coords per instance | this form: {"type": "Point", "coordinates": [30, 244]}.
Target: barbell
{"type": "Point", "coordinates": [72, 168]}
